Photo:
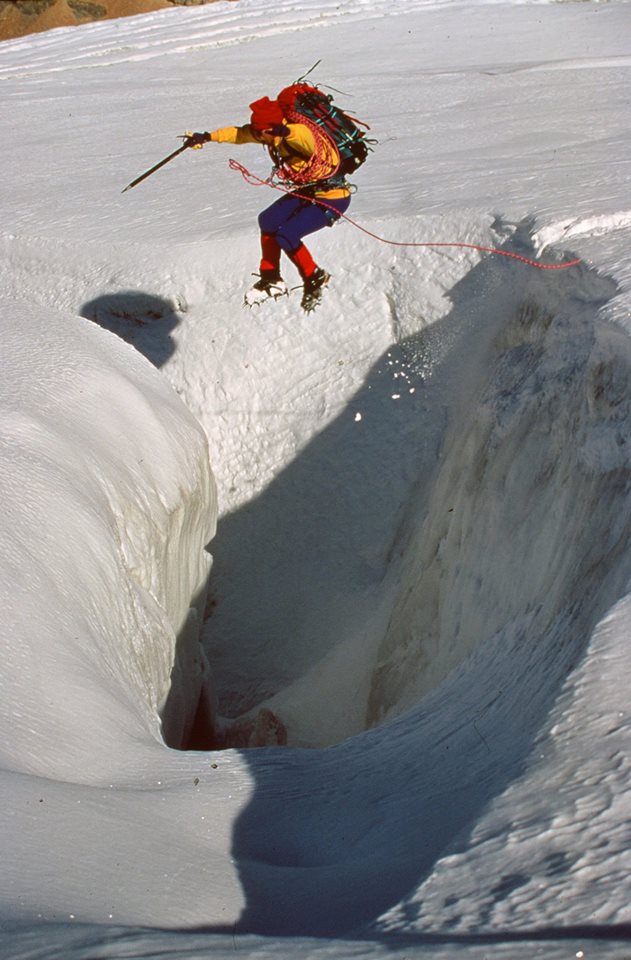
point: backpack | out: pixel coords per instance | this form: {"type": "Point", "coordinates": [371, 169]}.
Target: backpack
{"type": "Point", "coordinates": [303, 103]}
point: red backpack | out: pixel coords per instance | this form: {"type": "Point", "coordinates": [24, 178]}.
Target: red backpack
{"type": "Point", "coordinates": [302, 103]}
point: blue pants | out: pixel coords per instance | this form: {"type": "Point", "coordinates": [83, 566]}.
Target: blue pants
{"type": "Point", "coordinates": [291, 218]}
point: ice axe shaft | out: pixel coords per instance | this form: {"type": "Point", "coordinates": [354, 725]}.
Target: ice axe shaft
{"type": "Point", "coordinates": [147, 173]}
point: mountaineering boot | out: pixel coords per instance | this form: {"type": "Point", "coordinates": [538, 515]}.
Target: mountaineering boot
{"type": "Point", "coordinates": [268, 286]}
{"type": "Point", "coordinates": [312, 289]}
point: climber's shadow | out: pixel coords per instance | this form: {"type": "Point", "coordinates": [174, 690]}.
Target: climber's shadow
{"type": "Point", "coordinates": [141, 319]}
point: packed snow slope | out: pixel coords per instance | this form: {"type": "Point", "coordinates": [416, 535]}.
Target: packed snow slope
{"type": "Point", "coordinates": [421, 495]}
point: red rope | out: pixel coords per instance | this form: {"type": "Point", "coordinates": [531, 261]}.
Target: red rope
{"type": "Point", "coordinates": [323, 163]}
{"type": "Point", "coordinates": [255, 181]}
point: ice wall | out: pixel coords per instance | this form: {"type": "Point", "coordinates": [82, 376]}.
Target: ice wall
{"type": "Point", "coordinates": [525, 522]}
{"type": "Point", "coordinates": [474, 485]}
{"type": "Point", "coordinates": [109, 497]}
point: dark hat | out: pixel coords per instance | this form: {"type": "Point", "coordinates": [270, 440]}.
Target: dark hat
{"type": "Point", "coordinates": [266, 113]}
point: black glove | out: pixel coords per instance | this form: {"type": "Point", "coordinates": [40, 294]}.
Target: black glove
{"type": "Point", "coordinates": [196, 140]}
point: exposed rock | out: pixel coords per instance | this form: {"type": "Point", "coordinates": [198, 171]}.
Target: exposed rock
{"type": "Point", "coordinates": [20, 17]}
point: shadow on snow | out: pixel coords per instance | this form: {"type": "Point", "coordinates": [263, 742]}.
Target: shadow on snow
{"type": "Point", "coordinates": [141, 319]}
{"type": "Point", "coordinates": [334, 838]}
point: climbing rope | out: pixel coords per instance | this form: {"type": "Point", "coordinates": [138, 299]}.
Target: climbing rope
{"type": "Point", "coordinates": [256, 181]}
{"type": "Point", "coordinates": [323, 163]}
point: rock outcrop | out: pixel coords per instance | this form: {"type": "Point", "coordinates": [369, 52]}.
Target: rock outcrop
{"type": "Point", "coordinates": [21, 17]}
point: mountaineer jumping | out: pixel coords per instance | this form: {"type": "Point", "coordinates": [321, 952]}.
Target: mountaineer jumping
{"type": "Point", "coordinates": [312, 145]}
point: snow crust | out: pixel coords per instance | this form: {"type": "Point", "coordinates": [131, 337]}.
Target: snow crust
{"type": "Point", "coordinates": [418, 505]}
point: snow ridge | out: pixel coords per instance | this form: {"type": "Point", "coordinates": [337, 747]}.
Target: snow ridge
{"type": "Point", "coordinates": [101, 517]}
{"type": "Point", "coordinates": [183, 31]}
{"type": "Point", "coordinates": [596, 226]}
{"type": "Point", "coordinates": [187, 30]}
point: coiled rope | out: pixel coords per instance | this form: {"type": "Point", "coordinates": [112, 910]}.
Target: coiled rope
{"type": "Point", "coordinates": [323, 163]}
{"type": "Point", "coordinates": [256, 181]}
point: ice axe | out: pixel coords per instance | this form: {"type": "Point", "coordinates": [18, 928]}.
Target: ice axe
{"type": "Point", "coordinates": [190, 140]}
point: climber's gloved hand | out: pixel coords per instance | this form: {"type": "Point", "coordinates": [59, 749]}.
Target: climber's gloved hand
{"type": "Point", "coordinates": [196, 140]}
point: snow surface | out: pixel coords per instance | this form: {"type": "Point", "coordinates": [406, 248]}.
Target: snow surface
{"type": "Point", "coordinates": [421, 494]}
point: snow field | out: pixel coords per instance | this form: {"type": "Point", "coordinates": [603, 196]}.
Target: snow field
{"type": "Point", "coordinates": [421, 556]}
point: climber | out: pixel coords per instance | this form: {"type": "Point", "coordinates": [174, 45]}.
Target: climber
{"type": "Point", "coordinates": [310, 163]}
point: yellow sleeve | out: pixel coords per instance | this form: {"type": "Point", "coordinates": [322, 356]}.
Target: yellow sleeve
{"type": "Point", "coordinates": [233, 135]}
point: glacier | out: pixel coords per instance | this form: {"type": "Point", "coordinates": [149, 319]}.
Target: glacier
{"type": "Point", "coordinates": [400, 526]}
